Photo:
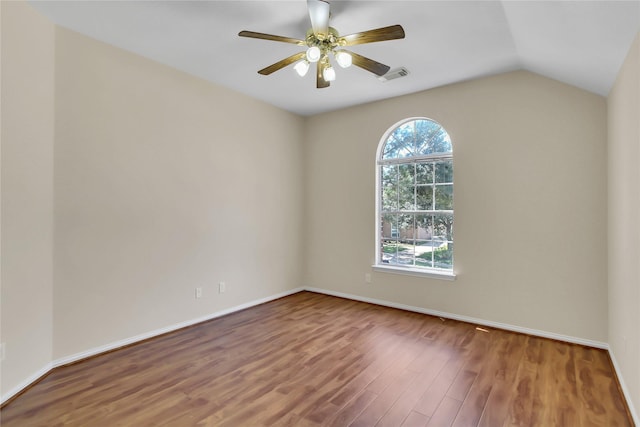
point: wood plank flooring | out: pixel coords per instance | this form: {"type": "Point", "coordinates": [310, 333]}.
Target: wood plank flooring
{"type": "Point", "coordinates": [313, 360]}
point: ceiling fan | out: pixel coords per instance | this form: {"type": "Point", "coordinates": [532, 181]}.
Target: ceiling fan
{"type": "Point", "coordinates": [321, 41]}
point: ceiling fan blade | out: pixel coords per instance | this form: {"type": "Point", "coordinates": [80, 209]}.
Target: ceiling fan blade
{"type": "Point", "coordinates": [319, 15]}
{"type": "Point", "coordinates": [368, 64]}
{"type": "Point", "coordinates": [320, 81]}
{"type": "Point", "coordinates": [254, 35]}
{"type": "Point", "coordinates": [281, 64]}
{"type": "Point", "coordinates": [393, 32]}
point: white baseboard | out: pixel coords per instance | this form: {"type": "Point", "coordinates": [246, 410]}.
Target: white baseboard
{"type": "Point", "coordinates": [625, 390]}
{"type": "Point", "coordinates": [132, 340]}
{"type": "Point", "coordinates": [498, 325]}
{"type": "Point", "coordinates": [27, 382]}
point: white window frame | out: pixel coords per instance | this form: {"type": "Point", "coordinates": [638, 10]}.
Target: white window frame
{"type": "Point", "coordinates": [378, 266]}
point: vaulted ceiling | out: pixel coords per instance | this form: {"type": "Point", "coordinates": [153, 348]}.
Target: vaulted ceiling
{"type": "Point", "coordinates": [582, 43]}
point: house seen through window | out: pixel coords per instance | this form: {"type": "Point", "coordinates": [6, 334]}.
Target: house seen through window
{"type": "Point", "coordinates": [415, 197]}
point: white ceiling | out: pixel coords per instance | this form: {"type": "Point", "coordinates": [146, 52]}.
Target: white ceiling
{"type": "Point", "coordinates": [582, 43]}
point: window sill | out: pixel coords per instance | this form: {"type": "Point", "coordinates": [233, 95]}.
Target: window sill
{"type": "Point", "coordinates": [419, 272]}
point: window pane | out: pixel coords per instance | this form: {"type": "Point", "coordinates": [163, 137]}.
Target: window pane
{"type": "Point", "coordinates": [424, 226]}
{"type": "Point", "coordinates": [424, 260]}
{"type": "Point", "coordinates": [406, 174]}
{"type": "Point", "coordinates": [391, 148]}
{"type": "Point", "coordinates": [441, 143]}
{"type": "Point", "coordinates": [425, 131]}
{"type": "Point", "coordinates": [406, 227]}
{"type": "Point", "coordinates": [424, 253]}
{"type": "Point", "coordinates": [389, 173]}
{"type": "Point", "coordinates": [443, 256]}
{"type": "Point", "coordinates": [406, 186]}
{"type": "Point", "coordinates": [403, 142]}
{"type": "Point", "coordinates": [444, 172]}
{"type": "Point", "coordinates": [389, 253]}
{"type": "Point", "coordinates": [405, 254]}
{"type": "Point", "coordinates": [389, 232]}
{"type": "Point", "coordinates": [424, 173]}
{"type": "Point", "coordinates": [389, 227]}
{"type": "Point", "coordinates": [424, 197]}
{"type": "Point", "coordinates": [444, 197]}
{"type": "Point", "coordinates": [443, 227]}
{"type": "Point", "coordinates": [390, 198]}
{"type": "Point", "coordinates": [406, 199]}
{"type": "Point", "coordinates": [424, 246]}
{"type": "Point", "coordinates": [389, 191]}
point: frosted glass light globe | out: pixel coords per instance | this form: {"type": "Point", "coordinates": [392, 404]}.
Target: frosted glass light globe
{"type": "Point", "coordinates": [301, 68]}
{"type": "Point", "coordinates": [343, 59]}
{"type": "Point", "coordinates": [329, 74]}
{"type": "Point", "coordinates": [313, 54]}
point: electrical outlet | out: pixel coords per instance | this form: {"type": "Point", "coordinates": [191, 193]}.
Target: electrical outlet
{"type": "Point", "coordinates": [3, 347]}
{"type": "Point", "coordinates": [222, 287]}
{"type": "Point", "coordinates": [367, 277]}
{"type": "Point", "coordinates": [198, 293]}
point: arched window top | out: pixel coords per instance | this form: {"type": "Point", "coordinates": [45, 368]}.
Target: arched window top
{"type": "Point", "coordinates": [416, 138]}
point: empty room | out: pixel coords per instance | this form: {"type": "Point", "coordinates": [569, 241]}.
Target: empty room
{"type": "Point", "coordinates": [320, 213]}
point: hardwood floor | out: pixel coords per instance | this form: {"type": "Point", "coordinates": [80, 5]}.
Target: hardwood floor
{"type": "Point", "coordinates": [315, 360]}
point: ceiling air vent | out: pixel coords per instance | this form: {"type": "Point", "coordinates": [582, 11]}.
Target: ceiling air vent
{"type": "Point", "coordinates": [396, 73]}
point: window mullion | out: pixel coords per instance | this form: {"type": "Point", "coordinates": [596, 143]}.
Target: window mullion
{"type": "Point", "coordinates": [433, 180]}
{"type": "Point", "coordinates": [415, 186]}
{"type": "Point", "coordinates": [397, 189]}
{"type": "Point", "coordinates": [430, 157]}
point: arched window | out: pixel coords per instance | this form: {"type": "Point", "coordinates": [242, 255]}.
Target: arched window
{"type": "Point", "coordinates": [414, 206]}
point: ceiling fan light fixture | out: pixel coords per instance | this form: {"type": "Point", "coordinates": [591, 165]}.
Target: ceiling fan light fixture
{"type": "Point", "coordinates": [343, 59]}
{"type": "Point", "coordinates": [329, 73]}
{"type": "Point", "coordinates": [301, 68]}
{"type": "Point", "coordinates": [313, 54]}
{"type": "Point", "coordinates": [322, 41]}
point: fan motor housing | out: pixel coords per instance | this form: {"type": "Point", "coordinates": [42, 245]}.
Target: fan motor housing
{"type": "Point", "coordinates": [325, 42]}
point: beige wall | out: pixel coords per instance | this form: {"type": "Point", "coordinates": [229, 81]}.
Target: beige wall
{"type": "Point", "coordinates": [27, 193]}
{"type": "Point", "coordinates": [164, 183]}
{"type": "Point", "coordinates": [530, 203]}
{"type": "Point", "coordinates": [624, 221]}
